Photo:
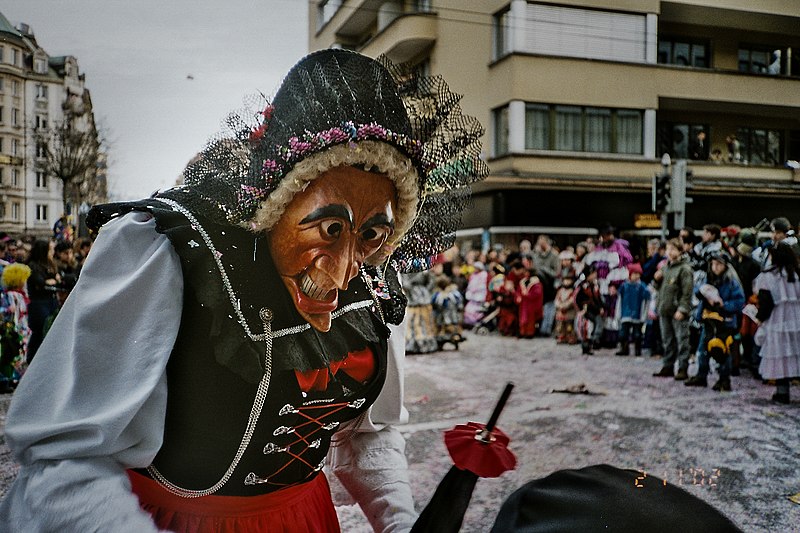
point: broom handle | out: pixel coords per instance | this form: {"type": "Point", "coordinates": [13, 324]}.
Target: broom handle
{"type": "Point", "coordinates": [499, 407]}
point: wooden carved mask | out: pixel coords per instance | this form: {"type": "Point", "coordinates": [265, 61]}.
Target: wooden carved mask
{"type": "Point", "coordinates": [325, 234]}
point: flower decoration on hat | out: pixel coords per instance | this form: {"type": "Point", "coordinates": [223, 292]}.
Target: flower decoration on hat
{"type": "Point", "coordinates": [337, 107]}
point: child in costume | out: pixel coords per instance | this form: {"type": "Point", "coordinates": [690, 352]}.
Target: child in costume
{"type": "Point", "coordinates": [448, 310]}
{"type": "Point", "coordinates": [633, 298]}
{"type": "Point", "coordinates": [15, 332]}
{"type": "Point", "coordinates": [778, 335]}
{"type": "Point", "coordinates": [566, 310]}
{"type": "Point", "coordinates": [529, 297]}
{"type": "Point", "coordinates": [225, 335]}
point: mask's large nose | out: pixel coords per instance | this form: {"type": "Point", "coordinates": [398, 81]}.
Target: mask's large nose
{"type": "Point", "coordinates": [342, 263]}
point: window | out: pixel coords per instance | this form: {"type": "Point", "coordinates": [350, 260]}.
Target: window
{"type": "Point", "coordinates": [15, 177]}
{"type": "Point", "coordinates": [502, 35]}
{"type": "Point", "coordinates": [15, 210]}
{"type": "Point", "coordinates": [501, 131]}
{"type": "Point", "coordinates": [41, 91]}
{"type": "Point", "coordinates": [1, 144]}
{"type": "Point", "coordinates": [585, 33]}
{"type": "Point", "coordinates": [770, 60]}
{"type": "Point", "coordinates": [41, 179]}
{"type": "Point", "coordinates": [41, 121]}
{"type": "Point", "coordinates": [422, 6]}
{"type": "Point", "coordinates": [15, 117]}
{"type": "Point", "coordinates": [15, 147]}
{"type": "Point", "coordinates": [568, 130]}
{"type": "Point", "coordinates": [41, 150]}
{"type": "Point", "coordinates": [760, 146]}
{"type": "Point", "coordinates": [676, 139]}
{"type": "Point", "coordinates": [2, 115]}
{"type": "Point", "coordinates": [15, 87]}
{"type": "Point", "coordinates": [41, 212]}
{"type": "Point", "coordinates": [583, 129]}
{"type": "Point", "coordinates": [40, 66]}
{"type": "Point", "coordinates": [679, 51]}
{"type": "Point", "coordinates": [14, 56]}
{"type": "Point", "coordinates": [537, 127]}
{"type": "Point", "coordinates": [2, 53]}
{"type": "Point", "coordinates": [326, 9]}
{"type": "Point", "coordinates": [793, 146]}
{"type": "Point", "coordinates": [2, 83]}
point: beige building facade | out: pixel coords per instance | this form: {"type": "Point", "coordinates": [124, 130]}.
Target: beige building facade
{"type": "Point", "coordinates": [37, 92]}
{"type": "Point", "coordinates": [581, 99]}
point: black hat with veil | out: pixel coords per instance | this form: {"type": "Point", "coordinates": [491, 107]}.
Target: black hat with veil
{"type": "Point", "coordinates": [337, 107]}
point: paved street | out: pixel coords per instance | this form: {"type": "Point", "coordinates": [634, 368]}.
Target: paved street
{"type": "Point", "coordinates": [750, 446]}
{"type": "Point", "coordinates": [736, 450]}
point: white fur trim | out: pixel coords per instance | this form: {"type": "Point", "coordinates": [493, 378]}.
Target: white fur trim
{"type": "Point", "coordinates": [373, 155]}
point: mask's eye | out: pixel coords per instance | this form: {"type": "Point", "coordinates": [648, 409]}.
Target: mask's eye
{"type": "Point", "coordinates": [331, 228]}
{"type": "Point", "coordinates": [375, 236]}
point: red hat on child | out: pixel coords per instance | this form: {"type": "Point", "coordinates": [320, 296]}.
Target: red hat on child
{"type": "Point", "coordinates": [635, 267]}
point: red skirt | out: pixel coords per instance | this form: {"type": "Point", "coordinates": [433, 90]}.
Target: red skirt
{"type": "Point", "coordinates": [305, 508]}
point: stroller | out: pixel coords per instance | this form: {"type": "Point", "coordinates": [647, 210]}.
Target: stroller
{"type": "Point", "coordinates": [488, 321]}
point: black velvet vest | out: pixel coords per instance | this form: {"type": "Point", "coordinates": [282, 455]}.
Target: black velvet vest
{"type": "Point", "coordinates": [215, 366]}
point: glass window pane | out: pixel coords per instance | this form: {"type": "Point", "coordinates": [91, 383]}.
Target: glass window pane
{"type": "Point", "coordinates": [537, 127]}
{"type": "Point", "coordinates": [699, 56]}
{"type": "Point", "coordinates": [773, 148]}
{"type": "Point", "coordinates": [501, 131]}
{"type": "Point", "coordinates": [664, 52]}
{"type": "Point", "coordinates": [568, 128]}
{"type": "Point", "coordinates": [680, 141]}
{"type": "Point", "coordinates": [681, 51]}
{"type": "Point", "coordinates": [758, 147]}
{"type": "Point", "coordinates": [744, 60]}
{"type": "Point", "coordinates": [758, 61]}
{"type": "Point", "coordinates": [629, 131]}
{"type": "Point", "coordinates": [597, 135]}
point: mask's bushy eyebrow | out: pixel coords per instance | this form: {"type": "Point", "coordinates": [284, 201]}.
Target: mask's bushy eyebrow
{"type": "Point", "coordinates": [329, 211]}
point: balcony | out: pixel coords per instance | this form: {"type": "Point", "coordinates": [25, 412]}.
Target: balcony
{"type": "Point", "coordinates": [631, 174]}
{"type": "Point", "coordinates": [641, 86]}
{"type": "Point", "coordinates": [404, 38]}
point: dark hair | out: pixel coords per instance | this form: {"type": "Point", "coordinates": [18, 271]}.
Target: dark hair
{"type": "Point", "coordinates": [62, 246]}
{"type": "Point", "coordinates": [690, 238]}
{"type": "Point", "coordinates": [39, 252]}
{"type": "Point", "coordinates": [784, 258]}
{"type": "Point", "coordinates": [713, 229]}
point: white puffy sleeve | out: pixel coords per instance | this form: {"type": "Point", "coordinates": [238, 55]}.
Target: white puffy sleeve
{"type": "Point", "coordinates": [371, 463]}
{"type": "Point", "coordinates": [93, 401]}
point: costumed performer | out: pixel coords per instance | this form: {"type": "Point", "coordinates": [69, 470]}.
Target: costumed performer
{"type": "Point", "coordinates": [225, 334]}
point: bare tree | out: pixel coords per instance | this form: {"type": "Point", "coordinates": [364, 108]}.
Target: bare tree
{"type": "Point", "coordinates": [71, 155]}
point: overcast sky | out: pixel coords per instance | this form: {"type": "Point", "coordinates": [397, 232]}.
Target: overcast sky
{"type": "Point", "coordinates": [137, 56]}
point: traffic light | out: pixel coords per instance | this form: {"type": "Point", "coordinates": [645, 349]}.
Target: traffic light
{"type": "Point", "coordinates": [661, 192]}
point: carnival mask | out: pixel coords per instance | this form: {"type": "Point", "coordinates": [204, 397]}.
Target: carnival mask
{"type": "Point", "coordinates": [326, 233]}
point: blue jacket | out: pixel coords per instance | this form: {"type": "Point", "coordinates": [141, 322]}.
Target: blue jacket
{"type": "Point", "coordinates": [632, 301]}
{"type": "Point", "coordinates": [732, 294]}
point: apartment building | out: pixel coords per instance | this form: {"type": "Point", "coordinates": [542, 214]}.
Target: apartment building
{"type": "Point", "coordinates": [581, 99]}
{"type": "Point", "coordinates": [37, 92]}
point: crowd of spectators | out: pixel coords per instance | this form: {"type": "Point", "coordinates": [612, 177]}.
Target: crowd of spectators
{"type": "Point", "coordinates": [725, 298]}
{"type": "Point", "coordinates": [37, 276]}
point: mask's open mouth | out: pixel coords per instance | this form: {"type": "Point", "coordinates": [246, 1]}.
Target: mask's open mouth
{"type": "Point", "coordinates": [313, 299]}
{"type": "Point", "coordinates": [311, 289]}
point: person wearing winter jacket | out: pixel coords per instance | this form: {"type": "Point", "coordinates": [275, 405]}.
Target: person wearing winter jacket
{"type": "Point", "coordinates": [674, 285]}
{"type": "Point", "coordinates": [632, 300]}
{"type": "Point", "coordinates": [721, 299]}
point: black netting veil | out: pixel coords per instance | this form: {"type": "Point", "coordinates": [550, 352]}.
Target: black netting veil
{"type": "Point", "coordinates": [334, 97]}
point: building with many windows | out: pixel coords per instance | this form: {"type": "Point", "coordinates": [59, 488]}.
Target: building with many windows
{"type": "Point", "coordinates": [581, 99]}
{"type": "Point", "coordinates": [38, 93]}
